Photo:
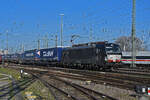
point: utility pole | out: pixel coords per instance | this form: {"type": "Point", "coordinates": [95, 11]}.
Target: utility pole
{"type": "Point", "coordinates": [38, 43]}
{"type": "Point", "coordinates": [11, 50]}
{"type": "Point", "coordinates": [61, 33]}
{"type": "Point", "coordinates": [133, 32]}
{"type": "Point", "coordinates": [56, 41]}
{"type": "Point", "coordinates": [46, 41]}
{"type": "Point", "coordinates": [22, 47]}
{"type": "Point", "coordinates": [7, 40]}
{"type": "Point", "coordinates": [91, 32]}
{"type": "Point", "coordinates": [1, 34]}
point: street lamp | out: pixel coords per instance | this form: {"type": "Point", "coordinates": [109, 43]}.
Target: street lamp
{"type": "Point", "coordinates": [61, 33]}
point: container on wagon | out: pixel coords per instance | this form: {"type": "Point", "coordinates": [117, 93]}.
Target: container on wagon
{"type": "Point", "coordinates": [50, 54]}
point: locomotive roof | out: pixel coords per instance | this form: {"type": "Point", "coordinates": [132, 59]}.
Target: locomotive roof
{"type": "Point", "coordinates": [91, 43]}
{"type": "Point", "coordinates": [86, 45]}
{"type": "Point", "coordinates": [83, 47]}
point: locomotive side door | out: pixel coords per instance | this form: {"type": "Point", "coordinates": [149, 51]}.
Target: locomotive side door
{"type": "Point", "coordinates": [100, 56]}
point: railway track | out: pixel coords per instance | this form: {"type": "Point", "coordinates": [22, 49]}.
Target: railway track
{"type": "Point", "coordinates": [121, 80]}
{"type": "Point", "coordinates": [121, 70]}
{"type": "Point", "coordinates": [107, 79]}
{"type": "Point", "coordinates": [14, 88]}
{"type": "Point", "coordinates": [136, 69]}
{"type": "Point", "coordinates": [133, 71]}
{"type": "Point", "coordinates": [50, 86]}
{"type": "Point", "coordinates": [88, 93]}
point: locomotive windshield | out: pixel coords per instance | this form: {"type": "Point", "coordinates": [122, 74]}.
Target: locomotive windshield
{"type": "Point", "coordinates": [113, 48]}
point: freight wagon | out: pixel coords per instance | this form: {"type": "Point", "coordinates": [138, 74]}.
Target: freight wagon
{"type": "Point", "coordinates": [14, 58]}
{"type": "Point", "coordinates": [6, 58]}
{"type": "Point", "coordinates": [49, 56]}
{"type": "Point", "coordinates": [28, 57]}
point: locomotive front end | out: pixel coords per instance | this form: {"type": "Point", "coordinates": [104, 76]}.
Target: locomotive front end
{"type": "Point", "coordinates": [113, 54]}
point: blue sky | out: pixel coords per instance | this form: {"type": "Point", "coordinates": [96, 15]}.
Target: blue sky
{"type": "Point", "coordinates": [28, 20]}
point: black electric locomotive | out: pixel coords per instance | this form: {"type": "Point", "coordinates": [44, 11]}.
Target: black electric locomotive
{"type": "Point", "coordinates": [95, 55]}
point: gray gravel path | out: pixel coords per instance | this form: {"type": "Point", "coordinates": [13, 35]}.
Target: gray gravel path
{"type": "Point", "coordinates": [4, 82]}
{"type": "Point", "coordinates": [6, 87]}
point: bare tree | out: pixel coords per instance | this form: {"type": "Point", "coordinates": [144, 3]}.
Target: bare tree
{"type": "Point", "coordinates": [125, 43]}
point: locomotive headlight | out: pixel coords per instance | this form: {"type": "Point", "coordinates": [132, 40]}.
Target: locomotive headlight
{"type": "Point", "coordinates": [106, 58]}
{"type": "Point", "coordinates": [113, 58]}
{"type": "Point", "coordinates": [109, 57]}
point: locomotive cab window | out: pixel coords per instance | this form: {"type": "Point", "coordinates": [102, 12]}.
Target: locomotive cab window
{"type": "Point", "coordinates": [113, 48]}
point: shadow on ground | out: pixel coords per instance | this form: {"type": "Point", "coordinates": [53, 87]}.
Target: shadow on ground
{"type": "Point", "coordinates": [10, 90]}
